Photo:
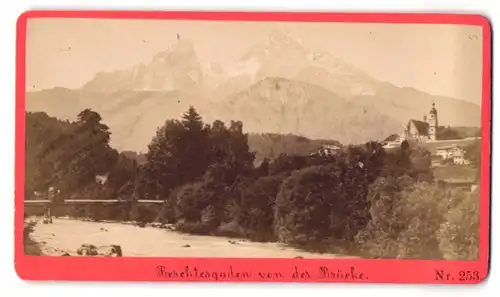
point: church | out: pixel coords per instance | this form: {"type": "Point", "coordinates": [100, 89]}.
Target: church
{"type": "Point", "coordinates": [422, 131]}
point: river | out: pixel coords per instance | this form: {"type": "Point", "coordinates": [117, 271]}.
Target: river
{"type": "Point", "coordinates": [68, 235]}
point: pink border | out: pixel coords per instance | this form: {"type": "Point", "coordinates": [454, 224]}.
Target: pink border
{"type": "Point", "coordinates": [145, 269]}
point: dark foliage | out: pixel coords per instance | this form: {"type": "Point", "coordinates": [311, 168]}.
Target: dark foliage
{"type": "Point", "coordinates": [447, 133]}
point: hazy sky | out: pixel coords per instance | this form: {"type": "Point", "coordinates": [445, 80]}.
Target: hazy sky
{"type": "Point", "coordinates": [439, 59]}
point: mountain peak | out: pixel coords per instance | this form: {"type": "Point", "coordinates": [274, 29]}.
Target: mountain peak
{"type": "Point", "coordinates": [277, 42]}
{"type": "Point", "coordinates": [176, 68]}
{"type": "Point", "coordinates": [283, 36]}
{"type": "Point", "coordinates": [182, 49]}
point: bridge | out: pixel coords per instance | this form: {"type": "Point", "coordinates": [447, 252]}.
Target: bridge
{"type": "Point", "coordinates": [82, 207]}
{"type": "Point", "coordinates": [92, 201]}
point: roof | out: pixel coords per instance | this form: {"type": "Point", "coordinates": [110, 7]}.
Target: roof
{"type": "Point", "coordinates": [422, 127]}
{"type": "Point", "coordinates": [391, 144]}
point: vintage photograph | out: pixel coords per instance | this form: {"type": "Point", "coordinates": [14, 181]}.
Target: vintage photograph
{"type": "Point", "coordinates": [183, 138]}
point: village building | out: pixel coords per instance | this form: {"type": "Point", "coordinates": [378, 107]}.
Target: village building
{"type": "Point", "coordinates": [329, 149]}
{"type": "Point", "coordinates": [393, 144]}
{"type": "Point", "coordinates": [416, 131]}
{"type": "Point", "coordinates": [453, 153]}
{"type": "Point", "coordinates": [424, 133]}
{"type": "Point", "coordinates": [419, 133]}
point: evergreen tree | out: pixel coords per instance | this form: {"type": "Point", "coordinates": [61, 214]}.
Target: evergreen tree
{"type": "Point", "coordinates": [89, 153]}
{"type": "Point", "coordinates": [192, 121]}
{"type": "Point", "coordinates": [163, 170]}
{"type": "Point", "coordinates": [195, 146]}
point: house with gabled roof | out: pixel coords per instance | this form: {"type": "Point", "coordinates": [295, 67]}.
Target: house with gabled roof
{"type": "Point", "coordinates": [453, 152]}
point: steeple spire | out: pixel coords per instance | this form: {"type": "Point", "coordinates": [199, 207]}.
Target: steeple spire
{"type": "Point", "coordinates": [433, 109]}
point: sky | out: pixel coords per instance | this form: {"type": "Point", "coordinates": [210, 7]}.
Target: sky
{"type": "Point", "coordinates": [439, 59]}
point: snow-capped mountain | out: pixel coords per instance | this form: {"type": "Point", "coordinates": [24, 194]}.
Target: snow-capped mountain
{"type": "Point", "coordinates": [283, 55]}
{"type": "Point", "coordinates": [279, 85]}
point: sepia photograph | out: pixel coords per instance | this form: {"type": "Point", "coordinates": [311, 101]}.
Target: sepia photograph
{"type": "Point", "coordinates": [252, 139]}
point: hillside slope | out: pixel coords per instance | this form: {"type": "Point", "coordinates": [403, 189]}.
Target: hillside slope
{"type": "Point", "coordinates": [271, 145]}
{"type": "Point", "coordinates": [280, 105]}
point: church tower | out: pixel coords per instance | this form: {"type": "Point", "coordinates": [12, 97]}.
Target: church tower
{"type": "Point", "coordinates": [432, 120]}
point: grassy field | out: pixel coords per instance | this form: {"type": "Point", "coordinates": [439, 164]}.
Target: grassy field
{"type": "Point", "coordinates": [463, 173]}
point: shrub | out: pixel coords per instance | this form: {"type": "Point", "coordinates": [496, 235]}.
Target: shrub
{"type": "Point", "coordinates": [286, 163]}
{"type": "Point", "coordinates": [423, 210]}
{"type": "Point", "coordinates": [304, 204]}
{"type": "Point", "coordinates": [406, 219]}
{"type": "Point", "coordinates": [231, 229]}
{"type": "Point", "coordinates": [192, 199]}
{"type": "Point", "coordinates": [209, 217]}
{"type": "Point", "coordinates": [256, 207]}
{"type": "Point", "coordinates": [78, 211]}
{"type": "Point", "coordinates": [362, 166]}
{"type": "Point", "coordinates": [379, 238]}
{"type": "Point", "coordinates": [421, 161]}
{"type": "Point", "coordinates": [459, 234]}
{"type": "Point", "coordinates": [96, 212]}
{"type": "Point", "coordinates": [188, 203]}
{"type": "Point", "coordinates": [146, 213]}
{"type": "Point", "coordinates": [166, 214]}
{"type": "Point", "coordinates": [122, 212]}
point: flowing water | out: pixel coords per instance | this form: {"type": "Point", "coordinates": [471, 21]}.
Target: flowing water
{"type": "Point", "coordinates": [68, 235]}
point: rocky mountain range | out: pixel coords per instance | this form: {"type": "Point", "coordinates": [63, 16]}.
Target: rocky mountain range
{"type": "Point", "coordinates": [279, 86]}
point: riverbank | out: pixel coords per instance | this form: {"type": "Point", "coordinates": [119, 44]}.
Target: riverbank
{"type": "Point", "coordinates": [31, 247]}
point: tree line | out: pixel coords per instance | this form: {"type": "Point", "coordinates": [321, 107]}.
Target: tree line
{"type": "Point", "coordinates": [448, 133]}
{"type": "Point", "coordinates": [363, 197]}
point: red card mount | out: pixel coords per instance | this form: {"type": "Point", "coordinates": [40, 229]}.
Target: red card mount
{"type": "Point", "coordinates": [206, 269]}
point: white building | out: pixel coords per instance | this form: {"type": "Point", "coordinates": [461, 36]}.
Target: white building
{"type": "Point", "coordinates": [328, 150]}
{"type": "Point", "coordinates": [453, 152]}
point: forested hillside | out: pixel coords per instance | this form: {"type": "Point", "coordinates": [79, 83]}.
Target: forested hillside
{"type": "Point", "coordinates": [271, 145]}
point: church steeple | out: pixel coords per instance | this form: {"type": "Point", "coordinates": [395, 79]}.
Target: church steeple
{"type": "Point", "coordinates": [433, 109]}
{"type": "Point", "coordinates": [432, 120]}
